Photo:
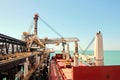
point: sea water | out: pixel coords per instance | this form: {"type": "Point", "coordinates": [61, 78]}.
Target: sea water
{"type": "Point", "coordinates": [111, 57]}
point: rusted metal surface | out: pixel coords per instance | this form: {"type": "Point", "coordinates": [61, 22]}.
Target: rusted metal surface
{"type": "Point", "coordinates": [59, 40]}
{"type": "Point", "coordinates": [6, 65]}
{"type": "Point", "coordinates": [9, 44]}
{"type": "Point", "coordinates": [10, 63]}
{"type": "Point", "coordinates": [30, 72]}
{"type": "Point", "coordinates": [8, 39]}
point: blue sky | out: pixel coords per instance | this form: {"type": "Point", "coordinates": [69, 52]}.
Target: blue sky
{"type": "Point", "coordinates": [71, 18]}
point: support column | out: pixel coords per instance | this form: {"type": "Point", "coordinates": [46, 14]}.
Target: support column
{"type": "Point", "coordinates": [26, 67]}
{"type": "Point", "coordinates": [42, 58]}
{"type": "Point", "coordinates": [68, 53]}
{"type": "Point", "coordinates": [76, 63]}
{"type": "Point", "coordinates": [21, 49]}
{"type": "Point", "coordinates": [37, 59]}
{"type": "Point", "coordinates": [7, 47]}
{"type": "Point", "coordinates": [2, 48]}
{"type": "Point", "coordinates": [19, 73]}
{"type": "Point", "coordinates": [17, 49]}
{"type": "Point", "coordinates": [63, 51]}
{"type": "Point", "coordinates": [12, 48]}
{"type": "Point", "coordinates": [98, 50]}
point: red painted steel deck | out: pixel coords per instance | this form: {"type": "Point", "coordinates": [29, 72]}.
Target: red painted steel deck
{"type": "Point", "coordinates": [53, 74]}
{"type": "Point", "coordinates": [67, 73]}
{"type": "Point", "coordinates": [83, 72]}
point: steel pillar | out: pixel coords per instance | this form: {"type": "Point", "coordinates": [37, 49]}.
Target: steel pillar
{"type": "Point", "coordinates": [37, 59]}
{"type": "Point", "coordinates": [7, 47]}
{"type": "Point", "coordinates": [12, 48]}
{"type": "Point", "coordinates": [76, 63]}
{"type": "Point", "coordinates": [26, 67]}
{"type": "Point", "coordinates": [68, 53]}
{"type": "Point", "coordinates": [63, 51]}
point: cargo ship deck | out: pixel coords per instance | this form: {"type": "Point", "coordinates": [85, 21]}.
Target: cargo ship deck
{"type": "Point", "coordinates": [60, 70]}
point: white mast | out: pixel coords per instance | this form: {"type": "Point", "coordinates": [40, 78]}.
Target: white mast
{"type": "Point", "coordinates": [98, 50]}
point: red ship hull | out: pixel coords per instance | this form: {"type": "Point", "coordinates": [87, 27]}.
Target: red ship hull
{"type": "Point", "coordinates": [59, 71]}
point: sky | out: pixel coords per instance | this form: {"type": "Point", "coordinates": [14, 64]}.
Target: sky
{"type": "Point", "coordinates": [70, 18]}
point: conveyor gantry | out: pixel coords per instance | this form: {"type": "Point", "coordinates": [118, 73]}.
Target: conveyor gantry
{"type": "Point", "coordinates": [7, 43]}
{"type": "Point", "coordinates": [7, 39]}
{"type": "Point", "coordinates": [59, 40]}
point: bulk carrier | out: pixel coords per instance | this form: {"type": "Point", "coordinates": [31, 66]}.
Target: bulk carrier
{"type": "Point", "coordinates": [30, 59]}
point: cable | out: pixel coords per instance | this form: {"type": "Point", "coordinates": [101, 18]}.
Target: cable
{"type": "Point", "coordinates": [30, 27]}
{"type": "Point", "coordinates": [80, 48]}
{"type": "Point", "coordinates": [50, 27]}
{"type": "Point", "coordinates": [88, 45]}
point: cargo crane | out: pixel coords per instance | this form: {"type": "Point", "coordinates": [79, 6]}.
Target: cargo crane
{"type": "Point", "coordinates": [28, 57]}
{"type": "Point", "coordinates": [24, 57]}
{"type": "Point", "coordinates": [32, 40]}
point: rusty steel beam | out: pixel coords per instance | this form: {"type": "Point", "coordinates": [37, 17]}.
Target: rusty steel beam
{"type": "Point", "coordinates": [7, 39]}
{"type": "Point", "coordinates": [8, 65]}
